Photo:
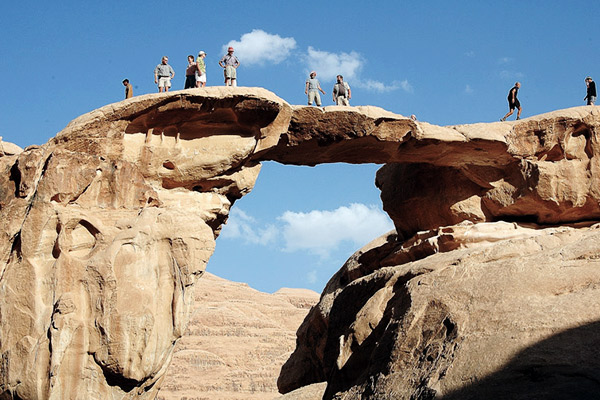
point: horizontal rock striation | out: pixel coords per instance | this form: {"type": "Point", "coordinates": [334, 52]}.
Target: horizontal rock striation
{"type": "Point", "coordinates": [236, 341]}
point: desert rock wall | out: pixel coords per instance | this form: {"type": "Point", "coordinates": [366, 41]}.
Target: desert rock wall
{"type": "Point", "coordinates": [107, 227]}
{"type": "Point", "coordinates": [236, 341]}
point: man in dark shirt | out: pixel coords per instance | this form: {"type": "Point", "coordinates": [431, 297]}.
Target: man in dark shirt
{"type": "Point", "coordinates": [190, 73]}
{"type": "Point", "coordinates": [341, 92]}
{"type": "Point", "coordinates": [591, 91]}
{"type": "Point", "coordinates": [128, 89]}
{"type": "Point", "coordinates": [513, 102]}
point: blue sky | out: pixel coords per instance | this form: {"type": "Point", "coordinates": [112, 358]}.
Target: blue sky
{"type": "Point", "coordinates": [448, 62]}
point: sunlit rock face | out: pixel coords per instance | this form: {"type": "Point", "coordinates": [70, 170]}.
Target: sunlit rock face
{"type": "Point", "coordinates": [552, 176]}
{"type": "Point", "coordinates": [236, 341]}
{"type": "Point", "coordinates": [105, 230]}
{"type": "Point", "coordinates": [8, 149]}
{"type": "Point", "coordinates": [106, 227]}
{"type": "Point", "coordinates": [484, 311]}
{"type": "Point", "coordinates": [544, 169]}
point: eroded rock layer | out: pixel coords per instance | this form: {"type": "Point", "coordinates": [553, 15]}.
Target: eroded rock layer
{"type": "Point", "coordinates": [107, 227]}
{"type": "Point", "coordinates": [236, 342]}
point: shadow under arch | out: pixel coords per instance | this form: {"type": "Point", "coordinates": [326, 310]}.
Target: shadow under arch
{"type": "Point", "coordinates": [565, 366]}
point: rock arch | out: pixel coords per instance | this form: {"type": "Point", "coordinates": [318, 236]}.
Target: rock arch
{"type": "Point", "coordinates": [143, 186]}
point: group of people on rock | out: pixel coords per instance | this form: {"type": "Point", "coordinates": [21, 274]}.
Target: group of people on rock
{"type": "Point", "coordinates": [195, 77]}
{"type": "Point", "coordinates": [341, 91]}
{"type": "Point", "coordinates": [513, 101]}
{"type": "Point", "coordinates": [195, 73]}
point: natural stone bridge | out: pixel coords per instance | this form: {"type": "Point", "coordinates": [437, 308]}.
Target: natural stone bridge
{"type": "Point", "coordinates": [108, 225]}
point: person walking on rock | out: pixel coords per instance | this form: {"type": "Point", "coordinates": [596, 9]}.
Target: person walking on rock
{"type": "Point", "coordinates": [163, 73]}
{"type": "Point", "coordinates": [190, 73]}
{"type": "Point", "coordinates": [312, 89]}
{"type": "Point", "coordinates": [128, 89]}
{"type": "Point", "coordinates": [230, 63]}
{"type": "Point", "coordinates": [513, 102]}
{"type": "Point", "coordinates": [341, 92]}
{"type": "Point", "coordinates": [591, 91]}
{"type": "Point", "coordinates": [200, 70]}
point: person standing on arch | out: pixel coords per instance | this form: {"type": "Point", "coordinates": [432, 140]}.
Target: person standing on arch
{"type": "Point", "coordinates": [128, 89]}
{"type": "Point", "coordinates": [591, 91]}
{"type": "Point", "coordinates": [341, 92]}
{"type": "Point", "coordinates": [513, 102]}
{"type": "Point", "coordinates": [230, 63]}
{"type": "Point", "coordinates": [312, 89]}
{"type": "Point", "coordinates": [190, 73]}
{"type": "Point", "coordinates": [163, 73]}
{"type": "Point", "coordinates": [201, 69]}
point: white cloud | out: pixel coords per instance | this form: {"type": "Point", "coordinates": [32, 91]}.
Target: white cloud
{"type": "Point", "coordinates": [321, 232]}
{"type": "Point", "coordinates": [407, 87]}
{"type": "Point", "coordinates": [329, 65]}
{"type": "Point", "coordinates": [242, 226]}
{"type": "Point", "coordinates": [349, 65]}
{"type": "Point", "coordinates": [511, 75]}
{"type": "Point", "coordinates": [470, 54]}
{"type": "Point", "coordinates": [318, 232]}
{"type": "Point", "coordinates": [381, 87]}
{"type": "Point", "coordinates": [468, 89]}
{"type": "Point", "coordinates": [311, 277]}
{"type": "Point", "coordinates": [376, 86]}
{"type": "Point", "coordinates": [259, 47]}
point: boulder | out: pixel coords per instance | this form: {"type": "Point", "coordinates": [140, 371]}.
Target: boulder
{"type": "Point", "coordinates": [9, 149]}
{"type": "Point", "coordinates": [484, 311]}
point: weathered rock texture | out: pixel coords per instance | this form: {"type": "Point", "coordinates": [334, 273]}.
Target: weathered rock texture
{"type": "Point", "coordinates": [552, 177]}
{"type": "Point", "coordinates": [9, 149]}
{"type": "Point", "coordinates": [485, 311]}
{"type": "Point", "coordinates": [236, 342]}
{"type": "Point", "coordinates": [107, 227]}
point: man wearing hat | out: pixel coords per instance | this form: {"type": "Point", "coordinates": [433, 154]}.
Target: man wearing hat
{"type": "Point", "coordinates": [230, 63]}
{"type": "Point", "coordinates": [200, 70]}
{"type": "Point", "coordinates": [313, 87]}
{"type": "Point", "coordinates": [591, 91]}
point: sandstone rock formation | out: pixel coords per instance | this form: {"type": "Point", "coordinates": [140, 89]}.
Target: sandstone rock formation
{"type": "Point", "coordinates": [9, 149]}
{"type": "Point", "coordinates": [542, 169]}
{"type": "Point", "coordinates": [107, 227]}
{"type": "Point", "coordinates": [236, 342]}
